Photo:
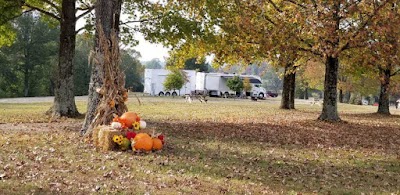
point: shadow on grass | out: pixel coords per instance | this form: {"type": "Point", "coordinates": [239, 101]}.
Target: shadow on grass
{"type": "Point", "coordinates": [289, 174]}
{"type": "Point", "coordinates": [289, 169]}
{"type": "Point", "coordinates": [301, 134]}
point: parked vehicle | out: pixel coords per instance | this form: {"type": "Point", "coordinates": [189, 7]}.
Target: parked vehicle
{"type": "Point", "coordinates": [154, 82]}
{"type": "Point", "coordinates": [272, 94]}
{"type": "Point", "coordinates": [215, 84]}
{"type": "Point", "coordinates": [211, 84]}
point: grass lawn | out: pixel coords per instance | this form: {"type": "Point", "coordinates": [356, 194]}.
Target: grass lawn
{"type": "Point", "coordinates": [223, 147]}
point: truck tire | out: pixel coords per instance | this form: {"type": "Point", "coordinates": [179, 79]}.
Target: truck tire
{"type": "Point", "coordinates": [167, 94]}
{"type": "Point", "coordinates": [226, 94]}
{"type": "Point", "coordinates": [174, 94]}
{"type": "Point", "coordinates": [161, 94]}
{"type": "Point", "coordinates": [261, 95]}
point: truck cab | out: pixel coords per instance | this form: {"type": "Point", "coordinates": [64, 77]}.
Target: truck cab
{"type": "Point", "coordinates": [258, 91]}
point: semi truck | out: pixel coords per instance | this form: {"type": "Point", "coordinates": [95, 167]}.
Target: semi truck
{"type": "Point", "coordinates": [211, 84]}
{"type": "Point", "coordinates": [215, 84]}
{"type": "Point", "coordinates": [154, 82]}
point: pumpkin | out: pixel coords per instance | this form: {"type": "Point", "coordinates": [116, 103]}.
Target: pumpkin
{"type": "Point", "coordinates": [128, 118]}
{"type": "Point", "coordinates": [157, 144]}
{"type": "Point", "coordinates": [144, 143]}
{"type": "Point", "coordinates": [141, 135]}
{"type": "Point", "coordinates": [142, 124]}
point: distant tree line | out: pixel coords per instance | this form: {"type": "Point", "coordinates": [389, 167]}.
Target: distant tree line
{"type": "Point", "coordinates": [28, 65]}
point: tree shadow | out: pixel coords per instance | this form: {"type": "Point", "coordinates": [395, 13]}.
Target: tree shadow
{"type": "Point", "coordinates": [301, 134]}
{"type": "Point", "coordinates": [190, 139]}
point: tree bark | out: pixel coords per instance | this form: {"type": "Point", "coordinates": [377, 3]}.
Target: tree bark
{"type": "Point", "coordinates": [340, 95]}
{"type": "Point", "coordinates": [383, 107]}
{"type": "Point", "coordinates": [287, 101]}
{"type": "Point", "coordinates": [64, 100]}
{"type": "Point", "coordinates": [329, 110]}
{"type": "Point", "coordinates": [306, 93]}
{"type": "Point", "coordinates": [292, 80]}
{"type": "Point", "coordinates": [26, 78]}
{"type": "Point", "coordinates": [108, 16]}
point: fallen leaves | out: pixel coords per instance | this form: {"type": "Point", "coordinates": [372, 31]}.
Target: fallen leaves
{"type": "Point", "coordinates": [252, 149]}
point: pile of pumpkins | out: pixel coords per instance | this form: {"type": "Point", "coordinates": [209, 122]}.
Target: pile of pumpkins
{"type": "Point", "coordinates": [138, 141]}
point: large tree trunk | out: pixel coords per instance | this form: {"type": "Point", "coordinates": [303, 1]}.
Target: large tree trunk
{"type": "Point", "coordinates": [383, 107]}
{"type": "Point", "coordinates": [107, 15]}
{"type": "Point", "coordinates": [64, 100]}
{"type": "Point", "coordinates": [292, 80]}
{"type": "Point", "coordinates": [287, 101]}
{"type": "Point", "coordinates": [285, 92]}
{"type": "Point", "coordinates": [329, 110]}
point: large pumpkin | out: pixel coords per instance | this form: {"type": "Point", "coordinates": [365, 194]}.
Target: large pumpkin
{"type": "Point", "coordinates": [128, 118]}
{"type": "Point", "coordinates": [143, 142]}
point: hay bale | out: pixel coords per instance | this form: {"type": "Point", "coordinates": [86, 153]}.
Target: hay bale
{"type": "Point", "coordinates": [105, 139]}
{"type": "Point", "coordinates": [95, 134]}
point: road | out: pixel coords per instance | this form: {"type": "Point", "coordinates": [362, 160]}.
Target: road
{"type": "Point", "coordinates": [36, 99]}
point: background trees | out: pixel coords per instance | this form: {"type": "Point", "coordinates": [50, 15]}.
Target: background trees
{"type": "Point", "coordinates": [26, 64]}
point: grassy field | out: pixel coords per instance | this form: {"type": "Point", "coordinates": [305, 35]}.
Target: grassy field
{"type": "Point", "coordinates": [223, 147]}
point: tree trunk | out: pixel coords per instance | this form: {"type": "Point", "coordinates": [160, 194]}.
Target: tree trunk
{"type": "Point", "coordinates": [64, 98]}
{"type": "Point", "coordinates": [292, 80]}
{"type": "Point", "coordinates": [347, 96]}
{"type": "Point", "coordinates": [287, 101]}
{"type": "Point", "coordinates": [329, 110]}
{"type": "Point", "coordinates": [383, 107]}
{"type": "Point", "coordinates": [340, 95]}
{"type": "Point", "coordinates": [26, 79]}
{"type": "Point", "coordinates": [285, 90]}
{"type": "Point", "coordinates": [107, 15]}
{"type": "Point", "coordinates": [306, 93]}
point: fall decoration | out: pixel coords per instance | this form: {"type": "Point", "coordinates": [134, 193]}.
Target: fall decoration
{"type": "Point", "coordinates": [105, 138]}
{"type": "Point", "coordinates": [130, 135]}
{"type": "Point", "coordinates": [142, 124]}
{"type": "Point", "coordinates": [112, 93]}
{"type": "Point", "coordinates": [144, 143]}
{"type": "Point", "coordinates": [125, 144]}
{"type": "Point", "coordinates": [118, 139]}
{"type": "Point", "coordinates": [161, 137]}
{"type": "Point", "coordinates": [141, 135]}
{"type": "Point", "coordinates": [116, 125]}
{"type": "Point", "coordinates": [120, 134]}
{"type": "Point", "coordinates": [136, 126]}
{"type": "Point", "coordinates": [157, 144]}
{"type": "Point", "coordinates": [128, 118]}
{"type": "Point", "coordinates": [95, 134]}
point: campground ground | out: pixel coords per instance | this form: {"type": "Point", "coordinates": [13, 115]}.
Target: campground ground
{"type": "Point", "coordinates": [226, 146]}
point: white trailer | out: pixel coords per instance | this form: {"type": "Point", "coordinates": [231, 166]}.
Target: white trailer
{"type": "Point", "coordinates": [215, 84]}
{"type": "Point", "coordinates": [154, 82]}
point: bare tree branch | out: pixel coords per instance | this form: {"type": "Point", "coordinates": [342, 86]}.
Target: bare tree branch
{"type": "Point", "coordinates": [53, 5]}
{"type": "Point", "coordinates": [85, 13]}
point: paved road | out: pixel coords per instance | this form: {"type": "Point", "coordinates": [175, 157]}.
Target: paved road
{"type": "Point", "coordinates": [36, 99]}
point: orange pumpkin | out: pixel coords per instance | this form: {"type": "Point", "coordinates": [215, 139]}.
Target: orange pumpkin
{"type": "Point", "coordinates": [128, 118]}
{"type": "Point", "coordinates": [157, 144]}
{"type": "Point", "coordinates": [140, 136]}
{"type": "Point", "coordinates": [145, 143]}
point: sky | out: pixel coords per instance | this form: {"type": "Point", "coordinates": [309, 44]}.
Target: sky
{"type": "Point", "coordinates": [149, 51]}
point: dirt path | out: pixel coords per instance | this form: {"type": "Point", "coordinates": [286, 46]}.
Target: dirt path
{"type": "Point", "coordinates": [36, 99]}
